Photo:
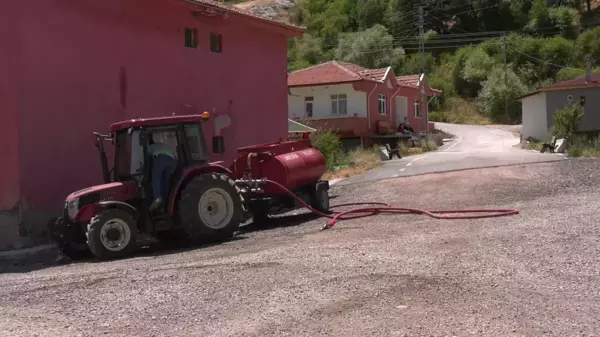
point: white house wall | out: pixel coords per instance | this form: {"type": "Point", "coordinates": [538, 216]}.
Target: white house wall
{"type": "Point", "coordinates": [356, 101]}
{"type": "Point", "coordinates": [535, 123]}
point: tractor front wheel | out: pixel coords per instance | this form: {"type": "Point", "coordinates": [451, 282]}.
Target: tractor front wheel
{"type": "Point", "coordinates": [210, 207]}
{"type": "Point", "coordinates": [112, 234]}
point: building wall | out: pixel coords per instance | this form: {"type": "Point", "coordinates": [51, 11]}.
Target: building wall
{"type": "Point", "coordinates": [9, 140]}
{"type": "Point", "coordinates": [356, 101]}
{"type": "Point", "coordinates": [534, 117]}
{"type": "Point", "coordinates": [591, 117]}
{"type": "Point", "coordinates": [105, 61]}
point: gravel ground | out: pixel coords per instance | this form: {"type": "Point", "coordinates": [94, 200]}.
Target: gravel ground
{"type": "Point", "coordinates": [533, 274]}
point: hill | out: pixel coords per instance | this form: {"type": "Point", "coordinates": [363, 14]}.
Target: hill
{"type": "Point", "coordinates": [465, 48]}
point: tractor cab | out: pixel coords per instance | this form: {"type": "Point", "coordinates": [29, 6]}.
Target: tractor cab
{"type": "Point", "coordinates": [182, 135]}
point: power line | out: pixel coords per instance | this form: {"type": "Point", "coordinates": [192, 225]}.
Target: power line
{"type": "Point", "coordinates": [545, 62]}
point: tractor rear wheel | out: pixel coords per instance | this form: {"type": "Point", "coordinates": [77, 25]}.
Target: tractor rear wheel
{"type": "Point", "coordinates": [319, 199]}
{"type": "Point", "coordinates": [210, 207]}
{"type": "Point", "coordinates": [111, 234]}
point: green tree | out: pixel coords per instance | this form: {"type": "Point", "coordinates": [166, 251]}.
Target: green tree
{"type": "Point", "coordinates": [412, 65]}
{"type": "Point", "coordinates": [304, 52]}
{"type": "Point", "coordinates": [556, 52]}
{"type": "Point", "coordinates": [588, 44]}
{"type": "Point", "coordinates": [497, 98]}
{"type": "Point", "coordinates": [372, 48]}
{"type": "Point", "coordinates": [566, 19]}
{"type": "Point", "coordinates": [539, 15]}
{"type": "Point", "coordinates": [477, 66]}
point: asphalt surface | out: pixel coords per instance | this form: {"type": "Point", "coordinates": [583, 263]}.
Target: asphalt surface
{"type": "Point", "coordinates": [533, 274]}
{"type": "Point", "coordinates": [473, 146]}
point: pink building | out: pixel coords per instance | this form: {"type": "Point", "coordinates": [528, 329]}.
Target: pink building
{"type": "Point", "coordinates": [359, 104]}
{"type": "Point", "coordinates": [69, 68]}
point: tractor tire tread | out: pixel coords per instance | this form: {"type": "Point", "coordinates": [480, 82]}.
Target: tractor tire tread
{"type": "Point", "coordinates": [93, 240]}
{"type": "Point", "coordinates": [188, 207]}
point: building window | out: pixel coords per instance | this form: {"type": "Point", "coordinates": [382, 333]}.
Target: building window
{"type": "Point", "coordinates": [381, 104]}
{"type": "Point", "coordinates": [339, 104]}
{"type": "Point", "coordinates": [417, 109]}
{"type": "Point", "coordinates": [191, 38]}
{"type": "Point", "coordinates": [216, 43]}
{"type": "Point", "coordinates": [308, 106]}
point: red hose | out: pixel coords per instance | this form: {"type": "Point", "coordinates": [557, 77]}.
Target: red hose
{"type": "Point", "coordinates": [387, 208]}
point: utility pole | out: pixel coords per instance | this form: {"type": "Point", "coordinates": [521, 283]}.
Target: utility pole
{"type": "Point", "coordinates": [422, 100]}
{"type": "Point", "coordinates": [505, 76]}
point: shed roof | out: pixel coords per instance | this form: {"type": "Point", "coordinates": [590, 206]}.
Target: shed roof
{"type": "Point", "coordinates": [294, 126]}
{"type": "Point", "coordinates": [579, 82]}
{"type": "Point", "coordinates": [237, 11]}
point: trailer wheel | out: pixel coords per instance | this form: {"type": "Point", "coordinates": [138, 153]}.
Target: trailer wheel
{"type": "Point", "coordinates": [320, 198]}
{"type": "Point", "coordinates": [112, 234]}
{"type": "Point", "coordinates": [210, 207]}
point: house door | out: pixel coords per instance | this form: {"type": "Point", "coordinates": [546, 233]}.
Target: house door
{"type": "Point", "coordinates": [401, 109]}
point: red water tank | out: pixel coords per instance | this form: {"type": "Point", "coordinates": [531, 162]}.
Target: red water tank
{"type": "Point", "coordinates": [290, 163]}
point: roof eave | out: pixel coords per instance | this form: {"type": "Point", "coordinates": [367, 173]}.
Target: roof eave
{"type": "Point", "coordinates": [571, 87]}
{"type": "Point", "coordinates": [322, 84]}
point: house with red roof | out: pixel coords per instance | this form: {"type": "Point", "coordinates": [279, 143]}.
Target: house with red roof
{"type": "Point", "coordinates": [360, 104]}
{"type": "Point", "coordinates": [538, 107]}
{"type": "Point", "coordinates": [69, 68]}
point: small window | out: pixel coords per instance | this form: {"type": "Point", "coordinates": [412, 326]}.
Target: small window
{"type": "Point", "coordinates": [308, 106]}
{"type": "Point", "coordinates": [195, 142]}
{"type": "Point", "coordinates": [417, 109]}
{"type": "Point", "coordinates": [339, 104]}
{"type": "Point", "coordinates": [381, 104]}
{"type": "Point", "coordinates": [191, 38]}
{"type": "Point", "coordinates": [216, 43]}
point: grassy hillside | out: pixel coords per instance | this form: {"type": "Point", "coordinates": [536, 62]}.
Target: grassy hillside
{"type": "Point", "coordinates": [546, 41]}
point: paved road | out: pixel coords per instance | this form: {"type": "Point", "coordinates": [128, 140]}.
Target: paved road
{"type": "Point", "coordinates": [474, 146]}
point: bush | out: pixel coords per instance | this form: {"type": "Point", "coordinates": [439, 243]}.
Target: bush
{"type": "Point", "coordinates": [566, 121]}
{"type": "Point", "coordinates": [459, 111]}
{"type": "Point", "coordinates": [329, 144]}
{"type": "Point", "coordinates": [497, 98]}
{"type": "Point", "coordinates": [358, 161]}
{"type": "Point", "coordinates": [584, 146]}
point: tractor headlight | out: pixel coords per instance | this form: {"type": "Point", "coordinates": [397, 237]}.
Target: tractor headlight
{"type": "Point", "coordinates": [73, 208]}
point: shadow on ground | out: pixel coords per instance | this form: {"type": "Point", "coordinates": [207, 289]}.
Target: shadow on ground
{"type": "Point", "coordinates": [52, 257]}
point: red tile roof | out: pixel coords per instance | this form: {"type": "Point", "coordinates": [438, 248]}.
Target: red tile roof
{"type": "Point", "coordinates": [334, 72]}
{"type": "Point", "coordinates": [236, 11]}
{"type": "Point", "coordinates": [578, 82]}
{"type": "Point", "coordinates": [408, 80]}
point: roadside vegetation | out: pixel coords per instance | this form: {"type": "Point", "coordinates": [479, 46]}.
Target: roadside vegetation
{"type": "Point", "coordinates": [459, 111]}
{"type": "Point", "coordinates": [343, 165]}
{"type": "Point", "coordinates": [340, 164]}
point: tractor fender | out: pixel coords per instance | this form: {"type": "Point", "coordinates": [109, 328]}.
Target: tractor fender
{"type": "Point", "coordinates": [87, 212]}
{"type": "Point", "coordinates": [118, 205]}
{"type": "Point", "coordinates": [190, 173]}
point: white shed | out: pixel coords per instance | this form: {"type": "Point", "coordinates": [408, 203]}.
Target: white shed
{"type": "Point", "coordinates": [535, 116]}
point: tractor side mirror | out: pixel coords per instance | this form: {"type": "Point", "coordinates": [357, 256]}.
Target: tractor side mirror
{"type": "Point", "coordinates": [218, 144]}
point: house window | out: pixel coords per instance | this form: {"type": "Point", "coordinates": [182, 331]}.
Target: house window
{"type": "Point", "coordinates": [308, 106]}
{"type": "Point", "coordinates": [191, 38]}
{"type": "Point", "coordinates": [417, 109]}
{"type": "Point", "coordinates": [216, 43]}
{"type": "Point", "coordinates": [339, 104]}
{"type": "Point", "coordinates": [381, 104]}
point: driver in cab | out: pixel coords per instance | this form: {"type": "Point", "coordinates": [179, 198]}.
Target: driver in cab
{"type": "Point", "coordinates": [163, 165]}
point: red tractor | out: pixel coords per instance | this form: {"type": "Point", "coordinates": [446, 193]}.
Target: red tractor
{"type": "Point", "coordinates": [205, 200]}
